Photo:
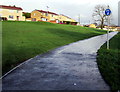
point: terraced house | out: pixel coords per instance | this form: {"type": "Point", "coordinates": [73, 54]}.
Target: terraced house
{"type": "Point", "coordinates": [11, 13]}
{"type": "Point", "coordinates": [40, 15]}
{"type": "Point", "coordinates": [66, 20]}
{"type": "Point", "coordinates": [16, 14]}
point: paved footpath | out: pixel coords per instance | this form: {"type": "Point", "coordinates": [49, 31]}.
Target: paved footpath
{"type": "Point", "coordinates": [71, 67]}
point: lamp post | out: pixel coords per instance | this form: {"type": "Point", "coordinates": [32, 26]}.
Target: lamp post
{"type": "Point", "coordinates": [79, 19]}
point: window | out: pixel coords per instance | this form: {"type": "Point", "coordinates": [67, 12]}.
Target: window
{"type": "Point", "coordinates": [46, 14]}
{"type": "Point", "coordinates": [10, 16]}
{"type": "Point", "coordinates": [34, 14]}
{"type": "Point", "coordinates": [11, 11]}
{"type": "Point", "coordinates": [52, 15]}
{"type": "Point", "coordinates": [44, 19]}
{"type": "Point", "coordinates": [17, 11]}
{"type": "Point", "coordinates": [57, 21]}
{"type": "Point", "coordinates": [33, 19]}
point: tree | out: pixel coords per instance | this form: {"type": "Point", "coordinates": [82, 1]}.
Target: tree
{"type": "Point", "coordinates": [99, 15]}
{"type": "Point", "coordinates": [27, 15]}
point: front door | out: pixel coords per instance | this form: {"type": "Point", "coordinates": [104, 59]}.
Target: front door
{"type": "Point", "coordinates": [33, 19]}
{"type": "Point", "coordinates": [17, 18]}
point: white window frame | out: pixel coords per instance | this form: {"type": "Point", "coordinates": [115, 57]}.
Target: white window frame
{"type": "Point", "coordinates": [11, 17]}
{"type": "Point", "coordinates": [46, 14]}
{"type": "Point", "coordinates": [17, 11]}
{"type": "Point", "coordinates": [52, 15]}
{"type": "Point", "coordinates": [34, 14]}
{"type": "Point", "coordinates": [0, 9]}
{"type": "Point", "coordinates": [44, 19]}
{"type": "Point", "coordinates": [12, 11]}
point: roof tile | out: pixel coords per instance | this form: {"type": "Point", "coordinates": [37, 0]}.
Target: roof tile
{"type": "Point", "coordinates": [47, 12]}
{"type": "Point", "coordinates": [10, 7]}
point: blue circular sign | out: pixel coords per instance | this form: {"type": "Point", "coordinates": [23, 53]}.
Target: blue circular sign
{"type": "Point", "coordinates": [107, 12]}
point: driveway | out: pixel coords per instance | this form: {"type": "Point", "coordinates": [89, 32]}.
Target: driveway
{"type": "Point", "coordinates": [71, 67]}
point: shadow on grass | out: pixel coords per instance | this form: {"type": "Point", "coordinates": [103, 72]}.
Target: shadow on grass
{"type": "Point", "coordinates": [83, 34]}
{"type": "Point", "coordinates": [14, 54]}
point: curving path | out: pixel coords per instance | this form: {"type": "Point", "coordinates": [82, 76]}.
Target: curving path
{"type": "Point", "coordinates": [71, 67]}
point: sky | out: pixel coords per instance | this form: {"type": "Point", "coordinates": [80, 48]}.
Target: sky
{"type": "Point", "coordinates": [71, 8]}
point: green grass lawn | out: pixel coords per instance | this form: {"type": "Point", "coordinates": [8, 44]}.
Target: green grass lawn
{"type": "Point", "coordinates": [24, 40]}
{"type": "Point", "coordinates": [109, 63]}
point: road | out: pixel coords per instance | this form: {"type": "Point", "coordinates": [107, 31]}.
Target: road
{"type": "Point", "coordinates": [71, 67]}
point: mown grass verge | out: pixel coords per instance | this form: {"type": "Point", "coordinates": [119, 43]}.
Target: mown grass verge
{"type": "Point", "coordinates": [24, 40]}
{"type": "Point", "coordinates": [109, 63]}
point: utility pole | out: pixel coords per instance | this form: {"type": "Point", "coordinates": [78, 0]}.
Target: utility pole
{"type": "Point", "coordinates": [79, 19]}
{"type": "Point", "coordinates": [89, 22]}
{"type": "Point", "coordinates": [119, 13]}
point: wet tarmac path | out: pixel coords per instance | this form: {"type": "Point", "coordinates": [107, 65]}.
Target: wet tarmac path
{"type": "Point", "coordinates": [71, 67]}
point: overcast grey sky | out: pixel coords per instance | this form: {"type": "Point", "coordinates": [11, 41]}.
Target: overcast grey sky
{"type": "Point", "coordinates": [71, 8]}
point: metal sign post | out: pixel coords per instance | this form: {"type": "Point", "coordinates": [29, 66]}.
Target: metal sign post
{"type": "Point", "coordinates": [108, 12]}
{"type": "Point", "coordinates": [108, 32]}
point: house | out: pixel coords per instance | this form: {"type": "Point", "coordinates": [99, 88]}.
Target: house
{"type": "Point", "coordinates": [11, 13]}
{"type": "Point", "coordinates": [28, 19]}
{"type": "Point", "coordinates": [117, 28]}
{"type": "Point", "coordinates": [92, 26]}
{"type": "Point", "coordinates": [112, 28]}
{"type": "Point", "coordinates": [40, 15]}
{"type": "Point", "coordinates": [67, 20]}
{"type": "Point", "coordinates": [27, 16]}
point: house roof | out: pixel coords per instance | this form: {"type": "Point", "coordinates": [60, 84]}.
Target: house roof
{"type": "Point", "coordinates": [47, 12]}
{"type": "Point", "coordinates": [118, 27]}
{"type": "Point", "coordinates": [66, 16]}
{"type": "Point", "coordinates": [25, 12]}
{"type": "Point", "coordinates": [10, 7]}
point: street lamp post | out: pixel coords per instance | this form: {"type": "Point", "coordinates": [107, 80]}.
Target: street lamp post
{"type": "Point", "coordinates": [79, 19]}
